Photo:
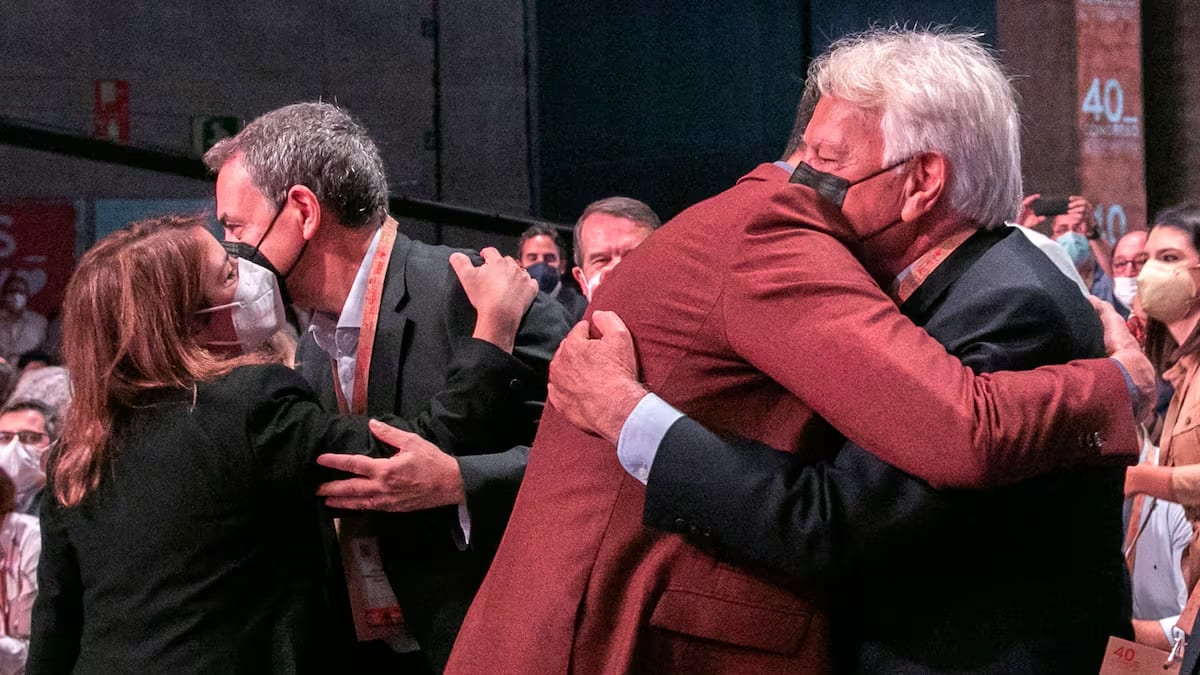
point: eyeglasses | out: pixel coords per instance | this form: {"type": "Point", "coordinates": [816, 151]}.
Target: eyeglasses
{"type": "Point", "coordinates": [27, 437]}
{"type": "Point", "coordinates": [1134, 264]}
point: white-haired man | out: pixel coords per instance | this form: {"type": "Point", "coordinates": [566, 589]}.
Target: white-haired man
{"type": "Point", "coordinates": [762, 321]}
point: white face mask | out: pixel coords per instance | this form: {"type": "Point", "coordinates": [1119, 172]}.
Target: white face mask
{"type": "Point", "coordinates": [16, 301]}
{"type": "Point", "coordinates": [589, 289]}
{"type": "Point", "coordinates": [23, 464]}
{"type": "Point", "coordinates": [1125, 289]}
{"type": "Point", "coordinates": [256, 310]}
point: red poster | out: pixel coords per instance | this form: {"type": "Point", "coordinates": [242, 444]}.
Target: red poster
{"type": "Point", "coordinates": [37, 242]}
{"type": "Point", "coordinates": [111, 110]}
{"type": "Point", "coordinates": [1112, 149]}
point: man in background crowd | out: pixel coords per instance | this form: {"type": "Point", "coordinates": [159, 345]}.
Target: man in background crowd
{"type": "Point", "coordinates": [540, 252]}
{"type": "Point", "coordinates": [28, 429]}
{"type": "Point", "coordinates": [607, 230]}
{"type": "Point", "coordinates": [21, 330]}
{"type": "Point", "coordinates": [1076, 231]}
{"type": "Point", "coordinates": [1129, 255]}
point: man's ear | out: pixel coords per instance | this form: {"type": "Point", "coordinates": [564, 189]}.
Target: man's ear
{"type": "Point", "coordinates": [925, 185]}
{"type": "Point", "coordinates": [579, 278]}
{"type": "Point", "coordinates": [306, 203]}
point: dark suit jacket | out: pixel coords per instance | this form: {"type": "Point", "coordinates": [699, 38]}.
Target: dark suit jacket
{"type": "Point", "coordinates": [202, 549]}
{"type": "Point", "coordinates": [425, 321]}
{"type": "Point", "coordinates": [759, 320]}
{"type": "Point", "coordinates": [573, 301]}
{"type": "Point", "coordinates": [1027, 578]}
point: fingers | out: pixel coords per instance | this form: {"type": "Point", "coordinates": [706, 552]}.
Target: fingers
{"type": "Point", "coordinates": [461, 264]}
{"type": "Point", "coordinates": [356, 464]}
{"type": "Point", "coordinates": [490, 254]}
{"type": "Point", "coordinates": [608, 323]}
{"type": "Point", "coordinates": [354, 504]}
{"type": "Point", "coordinates": [1029, 200]}
{"type": "Point", "coordinates": [1105, 310]}
{"type": "Point", "coordinates": [580, 332]}
{"type": "Point", "coordinates": [398, 439]}
{"type": "Point", "coordinates": [349, 487]}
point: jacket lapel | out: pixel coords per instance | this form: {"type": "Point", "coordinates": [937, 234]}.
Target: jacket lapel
{"type": "Point", "coordinates": [383, 387]}
{"type": "Point", "coordinates": [926, 299]}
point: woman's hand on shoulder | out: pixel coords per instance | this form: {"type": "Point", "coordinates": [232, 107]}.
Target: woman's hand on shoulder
{"type": "Point", "coordinates": [500, 290]}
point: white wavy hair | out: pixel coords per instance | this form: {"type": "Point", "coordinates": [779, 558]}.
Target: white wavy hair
{"type": "Point", "coordinates": [936, 90]}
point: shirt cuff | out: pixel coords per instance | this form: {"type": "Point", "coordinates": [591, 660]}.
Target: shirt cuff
{"type": "Point", "coordinates": [462, 538]}
{"type": "Point", "coordinates": [1170, 629]}
{"type": "Point", "coordinates": [1134, 394]}
{"type": "Point", "coordinates": [643, 431]}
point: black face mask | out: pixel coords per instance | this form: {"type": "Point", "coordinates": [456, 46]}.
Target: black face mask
{"type": "Point", "coordinates": [239, 249]}
{"type": "Point", "coordinates": [834, 188]}
{"type": "Point", "coordinates": [546, 275]}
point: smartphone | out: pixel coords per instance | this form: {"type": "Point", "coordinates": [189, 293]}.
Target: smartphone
{"type": "Point", "coordinates": [1050, 206]}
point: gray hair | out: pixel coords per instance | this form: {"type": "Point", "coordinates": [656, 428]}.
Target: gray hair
{"type": "Point", "coordinates": [317, 145]}
{"type": "Point", "coordinates": [936, 90]}
{"type": "Point", "coordinates": [621, 207]}
{"type": "Point", "coordinates": [50, 386]}
{"type": "Point", "coordinates": [48, 413]}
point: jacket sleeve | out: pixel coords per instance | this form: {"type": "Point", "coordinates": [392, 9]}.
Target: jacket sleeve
{"type": "Point", "coordinates": [486, 390]}
{"type": "Point", "coordinates": [491, 482]}
{"type": "Point", "coordinates": [57, 624]}
{"type": "Point", "coordinates": [815, 521]}
{"type": "Point", "coordinates": [510, 418]}
{"type": "Point", "coordinates": [812, 521]}
{"type": "Point", "coordinates": [793, 286]}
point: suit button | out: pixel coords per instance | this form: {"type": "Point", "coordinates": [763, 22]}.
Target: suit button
{"type": "Point", "coordinates": [706, 534]}
{"type": "Point", "coordinates": [514, 384]}
{"type": "Point", "coordinates": [693, 530]}
{"type": "Point", "coordinates": [680, 525]}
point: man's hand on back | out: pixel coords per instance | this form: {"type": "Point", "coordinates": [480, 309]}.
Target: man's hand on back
{"type": "Point", "coordinates": [594, 381]}
{"type": "Point", "coordinates": [1124, 348]}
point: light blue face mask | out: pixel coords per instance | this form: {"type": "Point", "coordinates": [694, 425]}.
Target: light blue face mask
{"type": "Point", "coordinates": [1077, 247]}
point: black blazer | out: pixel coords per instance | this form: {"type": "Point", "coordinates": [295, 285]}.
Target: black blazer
{"type": "Point", "coordinates": [1028, 578]}
{"type": "Point", "coordinates": [202, 550]}
{"type": "Point", "coordinates": [425, 320]}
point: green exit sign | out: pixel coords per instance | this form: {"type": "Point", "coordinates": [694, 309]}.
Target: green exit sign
{"type": "Point", "coordinates": [206, 131]}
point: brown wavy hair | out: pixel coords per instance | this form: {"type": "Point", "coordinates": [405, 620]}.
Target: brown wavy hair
{"type": "Point", "coordinates": [130, 330]}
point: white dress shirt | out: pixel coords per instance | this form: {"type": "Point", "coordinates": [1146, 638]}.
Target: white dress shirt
{"type": "Point", "coordinates": [339, 339]}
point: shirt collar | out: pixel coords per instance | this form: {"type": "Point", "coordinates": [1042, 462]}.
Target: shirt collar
{"type": "Point", "coordinates": [1177, 373]}
{"type": "Point", "coordinates": [323, 326]}
{"type": "Point", "coordinates": [352, 311]}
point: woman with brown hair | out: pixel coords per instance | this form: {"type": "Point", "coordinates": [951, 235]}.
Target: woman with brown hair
{"type": "Point", "coordinates": [184, 534]}
{"type": "Point", "coordinates": [1169, 295]}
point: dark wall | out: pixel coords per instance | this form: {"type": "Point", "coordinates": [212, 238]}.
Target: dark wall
{"type": "Point", "coordinates": [665, 102]}
{"type": "Point", "coordinates": [1171, 72]}
{"type": "Point", "coordinates": [832, 19]}
{"type": "Point", "coordinates": [671, 102]}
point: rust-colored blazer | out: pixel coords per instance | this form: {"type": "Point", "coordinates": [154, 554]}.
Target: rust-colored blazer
{"type": "Point", "coordinates": [753, 319]}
